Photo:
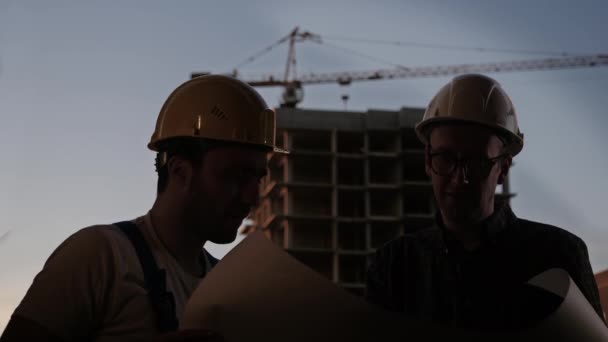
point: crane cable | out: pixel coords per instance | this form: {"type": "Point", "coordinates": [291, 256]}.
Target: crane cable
{"type": "Point", "coordinates": [357, 53]}
{"type": "Point", "coordinates": [323, 42]}
{"type": "Point", "coordinates": [452, 47]}
{"type": "Point", "coordinates": [260, 53]}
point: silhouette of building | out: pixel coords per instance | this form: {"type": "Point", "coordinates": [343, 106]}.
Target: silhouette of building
{"type": "Point", "coordinates": [353, 181]}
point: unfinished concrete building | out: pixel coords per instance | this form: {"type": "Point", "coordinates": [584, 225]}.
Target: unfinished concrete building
{"type": "Point", "coordinates": [353, 181]}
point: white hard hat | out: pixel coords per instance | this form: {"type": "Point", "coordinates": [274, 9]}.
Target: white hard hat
{"type": "Point", "coordinates": [474, 99]}
{"type": "Point", "coordinates": [218, 108]}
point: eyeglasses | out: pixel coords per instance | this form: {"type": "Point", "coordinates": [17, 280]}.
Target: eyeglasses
{"type": "Point", "coordinates": [445, 163]}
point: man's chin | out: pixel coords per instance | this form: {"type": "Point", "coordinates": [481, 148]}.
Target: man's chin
{"type": "Point", "coordinates": [222, 240]}
{"type": "Point", "coordinates": [464, 217]}
{"type": "Point", "coordinates": [461, 213]}
{"type": "Point", "coordinates": [226, 235]}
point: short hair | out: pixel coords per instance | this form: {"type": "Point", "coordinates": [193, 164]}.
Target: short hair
{"type": "Point", "coordinates": [191, 149]}
{"type": "Point", "coordinates": [505, 138]}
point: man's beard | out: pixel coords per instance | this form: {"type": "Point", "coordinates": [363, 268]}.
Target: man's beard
{"type": "Point", "coordinates": [205, 222]}
{"type": "Point", "coordinates": [197, 215]}
{"type": "Point", "coordinates": [464, 213]}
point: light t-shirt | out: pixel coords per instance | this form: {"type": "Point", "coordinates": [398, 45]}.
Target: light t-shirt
{"type": "Point", "coordinates": [92, 286]}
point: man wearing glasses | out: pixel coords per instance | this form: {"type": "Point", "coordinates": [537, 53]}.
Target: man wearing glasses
{"type": "Point", "coordinates": [468, 270]}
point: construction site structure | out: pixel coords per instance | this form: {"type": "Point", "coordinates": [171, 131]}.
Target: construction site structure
{"type": "Point", "coordinates": [352, 182]}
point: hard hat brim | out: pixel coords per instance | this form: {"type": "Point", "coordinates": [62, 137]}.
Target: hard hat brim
{"type": "Point", "coordinates": [516, 142]}
{"type": "Point", "coordinates": [279, 150]}
{"type": "Point", "coordinates": [154, 146]}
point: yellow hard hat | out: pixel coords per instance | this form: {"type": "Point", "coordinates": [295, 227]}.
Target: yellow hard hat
{"type": "Point", "coordinates": [216, 107]}
{"type": "Point", "coordinates": [475, 99]}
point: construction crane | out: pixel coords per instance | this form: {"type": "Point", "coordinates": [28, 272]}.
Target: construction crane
{"type": "Point", "coordinates": [292, 84]}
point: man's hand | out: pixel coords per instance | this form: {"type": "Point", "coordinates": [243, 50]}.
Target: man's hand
{"type": "Point", "coordinates": [190, 335]}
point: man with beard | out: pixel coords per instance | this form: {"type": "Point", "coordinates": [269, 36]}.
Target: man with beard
{"type": "Point", "coordinates": [469, 269]}
{"type": "Point", "coordinates": [131, 280]}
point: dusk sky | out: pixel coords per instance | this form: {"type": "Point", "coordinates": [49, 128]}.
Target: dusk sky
{"type": "Point", "coordinates": [81, 84]}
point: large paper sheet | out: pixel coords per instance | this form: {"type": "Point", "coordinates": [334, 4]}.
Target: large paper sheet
{"type": "Point", "coordinates": [258, 292]}
{"type": "Point", "coordinates": [574, 319]}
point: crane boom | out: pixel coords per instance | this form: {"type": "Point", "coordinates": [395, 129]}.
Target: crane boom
{"type": "Point", "coordinates": [292, 84]}
{"type": "Point", "coordinates": [344, 78]}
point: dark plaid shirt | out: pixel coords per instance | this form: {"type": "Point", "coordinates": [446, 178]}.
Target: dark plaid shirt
{"type": "Point", "coordinates": [428, 275]}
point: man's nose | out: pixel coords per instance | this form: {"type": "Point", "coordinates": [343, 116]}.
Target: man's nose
{"type": "Point", "coordinates": [461, 174]}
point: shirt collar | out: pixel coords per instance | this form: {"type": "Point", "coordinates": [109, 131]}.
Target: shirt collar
{"type": "Point", "coordinates": [157, 240]}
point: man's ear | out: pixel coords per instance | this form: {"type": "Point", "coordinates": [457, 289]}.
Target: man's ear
{"type": "Point", "coordinates": [180, 172]}
{"type": "Point", "coordinates": [505, 166]}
